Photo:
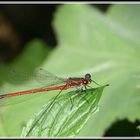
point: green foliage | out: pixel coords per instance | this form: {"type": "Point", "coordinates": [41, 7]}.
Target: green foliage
{"type": "Point", "coordinates": [64, 116]}
{"type": "Point", "coordinates": [105, 45]}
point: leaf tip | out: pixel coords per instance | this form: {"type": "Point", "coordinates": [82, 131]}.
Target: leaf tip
{"type": "Point", "coordinates": [107, 85]}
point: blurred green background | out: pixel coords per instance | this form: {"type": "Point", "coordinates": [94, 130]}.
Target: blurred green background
{"type": "Point", "coordinates": [71, 40]}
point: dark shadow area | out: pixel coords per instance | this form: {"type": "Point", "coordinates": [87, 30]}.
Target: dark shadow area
{"type": "Point", "coordinates": [20, 24]}
{"type": "Point", "coordinates": [123, 128]}
{"type": "Point", "coordinates": [102, 7]}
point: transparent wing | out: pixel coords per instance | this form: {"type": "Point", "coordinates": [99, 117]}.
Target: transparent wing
{"type": "Point", "coordinates": [41, 76]}
{"type": "Point", "coordinates": [48, 79]}
{"type": "Point", "coordinates": [41, 79]}
{"type": "Point", "coordinates": [18, 76]}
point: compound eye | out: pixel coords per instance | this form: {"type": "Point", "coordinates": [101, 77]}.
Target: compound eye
{"type": "Point", "coordinates": [87, 76]}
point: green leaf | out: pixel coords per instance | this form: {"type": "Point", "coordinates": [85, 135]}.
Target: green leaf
{"type": "Point", "coordinates": [65, 116]}
{"type": "Point", "coordinates": [89, 41]}
{"type": "Point", "coordinates": [126, 17]}
{"type": "Point", "coordinates": [94, 42]}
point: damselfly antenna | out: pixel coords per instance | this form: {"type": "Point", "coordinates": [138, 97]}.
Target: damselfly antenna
{"type": "Point", "coordinates": [88, 77]}
{"type": "Point", "coordinates": [95, 82]}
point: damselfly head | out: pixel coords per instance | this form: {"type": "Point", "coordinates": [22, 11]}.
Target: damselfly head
{"type": "Point", "coordinates": [88, 77]}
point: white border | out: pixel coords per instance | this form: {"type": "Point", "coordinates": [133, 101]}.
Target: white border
{"type": "Point", "coordinates": [69, 2]}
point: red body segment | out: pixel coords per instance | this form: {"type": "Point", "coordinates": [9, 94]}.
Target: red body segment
{"type": "Point", "coordinates": [70, 83]}
{"type": "Point", "coordinates": [63, 87]}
